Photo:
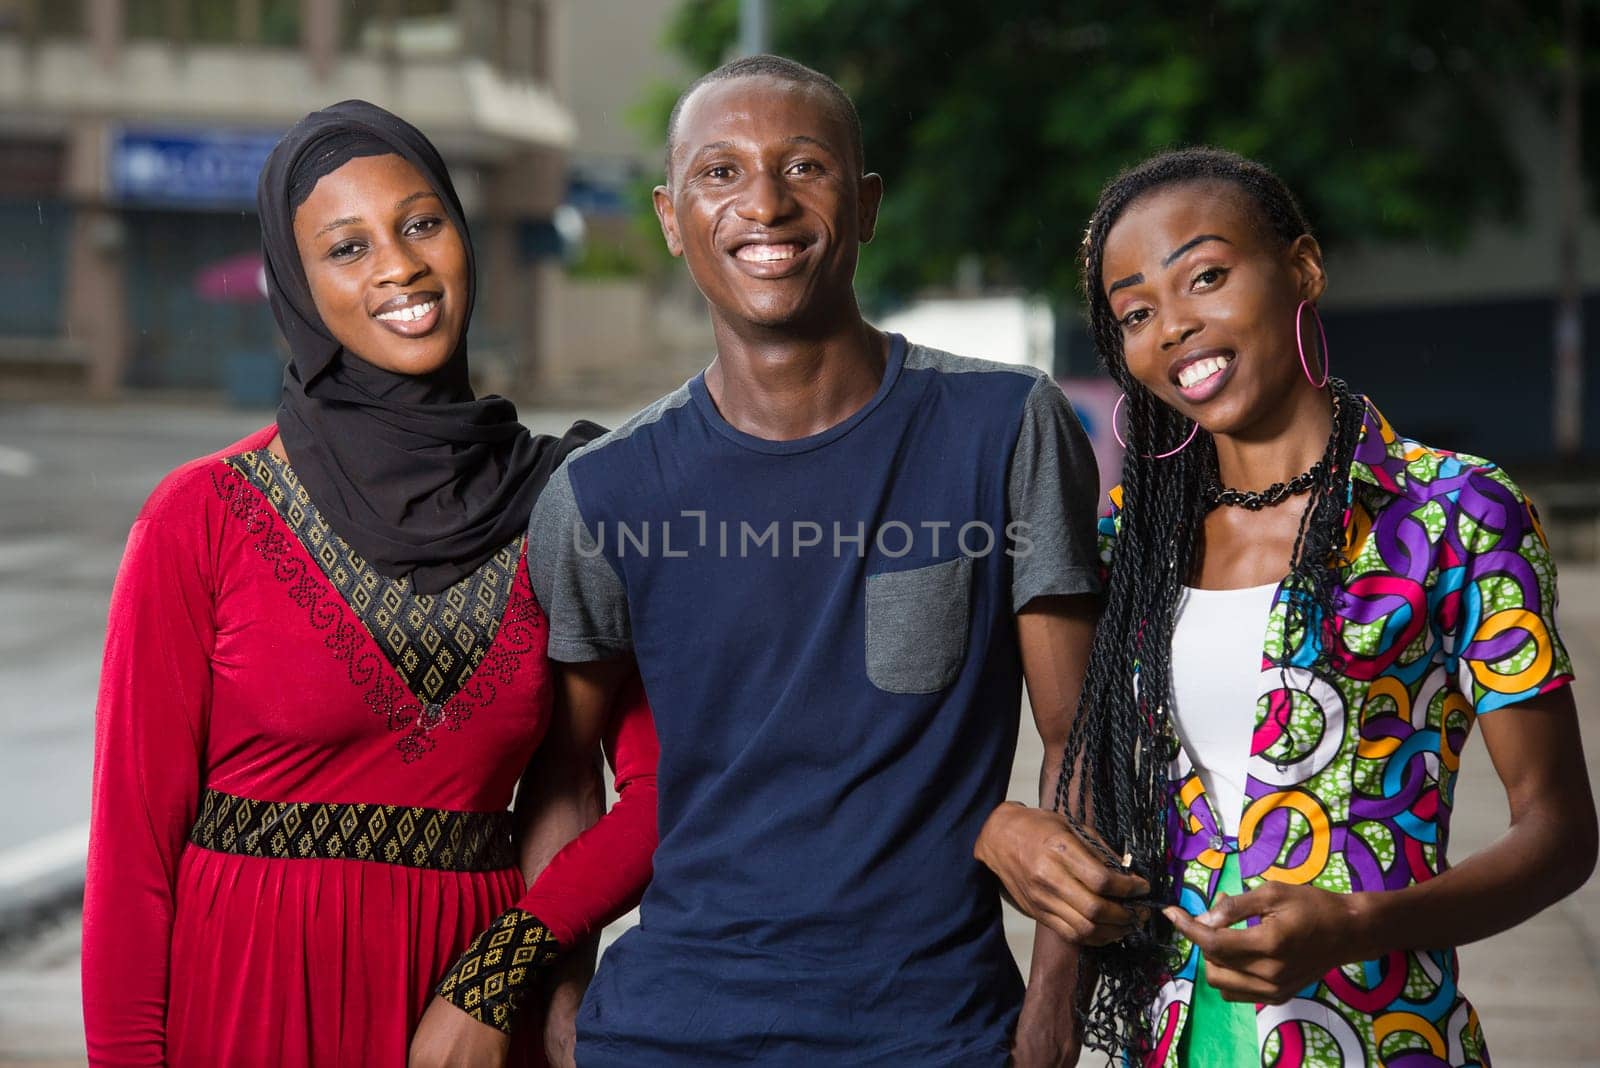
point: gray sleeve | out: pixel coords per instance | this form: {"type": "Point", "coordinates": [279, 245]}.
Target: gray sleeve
{"type": "Point", "coordinates": [1052, 492]}
{"type": "Point", "coordinates": [581, 593]}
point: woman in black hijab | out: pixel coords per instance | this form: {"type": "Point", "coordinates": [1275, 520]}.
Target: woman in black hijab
{"type": "Point", "coordinates": [325, 673]}
{"type": "Point", "coordinates": [415, 473]}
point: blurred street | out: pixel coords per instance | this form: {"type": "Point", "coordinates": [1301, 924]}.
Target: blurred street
{"type": "Point", "coordinates": [72, 479]}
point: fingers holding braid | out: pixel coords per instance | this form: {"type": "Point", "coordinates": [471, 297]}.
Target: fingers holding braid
{"type": "Point", "coordinates": [1120, 739]}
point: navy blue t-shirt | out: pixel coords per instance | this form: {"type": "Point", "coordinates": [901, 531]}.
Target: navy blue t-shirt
{"type": "Point", "coordinates": [826, 631]}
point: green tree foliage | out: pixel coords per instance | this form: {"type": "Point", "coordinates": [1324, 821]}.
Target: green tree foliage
{"type": "Point", "coordinates": [995, 124]}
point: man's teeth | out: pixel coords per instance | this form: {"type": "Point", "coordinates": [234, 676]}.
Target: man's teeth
{"type": "Point", "coordinates": [411, 314]}
{"type": "Point", "coordinates": [1201, 370]}
{"type": "Point", "coordinates": [767, 253]}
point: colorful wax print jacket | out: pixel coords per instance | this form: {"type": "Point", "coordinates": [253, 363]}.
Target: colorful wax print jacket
{"type": "Point", "coordinates": [1447, 612]}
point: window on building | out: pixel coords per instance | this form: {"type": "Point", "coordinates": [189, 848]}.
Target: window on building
{"type": "Point", "coordinates": [275, 23]}
{"type": "Point", "coordinates": [61, 18]}
{"type": "Point", "coordinates": [33, 266]}
{"type": "Point", "coordinates": [518, 30]}
{"type": "Point", "coordinates": [537, 42]}
{"type": "Point", "coordinates": [280, 23]}
{"type": "Point", "coordinates": [512, 35]}
{"type": "Point", "coordinates": [527, 30]}
{"type": "Point", "coordinates": [36, 18]}
{"type": "Point", "coordinates": [359, 21]}
{"type": "Point", "coordinates": [214, 22]}
{"type": "Point", "coordinates": [405, 27]}
{"type": "Point", "coordinates": [150, 19]}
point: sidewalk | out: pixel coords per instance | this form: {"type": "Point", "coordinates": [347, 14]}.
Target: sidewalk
{"type": "Point", "coordinates": [41, 1022]}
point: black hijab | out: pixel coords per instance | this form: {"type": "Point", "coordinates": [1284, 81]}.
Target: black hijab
{"type": "Point", "coordinates": [420, 477]}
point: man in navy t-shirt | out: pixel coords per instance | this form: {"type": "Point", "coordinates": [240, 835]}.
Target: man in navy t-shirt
{"type": "Point", "coordinates": [835, 555]}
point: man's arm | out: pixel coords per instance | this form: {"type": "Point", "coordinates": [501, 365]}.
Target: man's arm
{"type": "Point", "coordinates": [1048, 871]}
{"type": "Point", "coordinates": [561, 795]}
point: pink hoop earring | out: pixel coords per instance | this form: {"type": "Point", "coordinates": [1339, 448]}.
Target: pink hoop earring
{"type": "Point", "coordinates": [1158, 456]}
{"type": "Point", "coordinates": [1305, 365]}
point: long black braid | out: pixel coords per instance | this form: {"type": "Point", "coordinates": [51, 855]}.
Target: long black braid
{"type": "Point", "coordinates": [1122, 740]}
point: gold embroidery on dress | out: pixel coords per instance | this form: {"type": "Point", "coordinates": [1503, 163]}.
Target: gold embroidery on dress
{"type": "Point", "coordinates": [412, 837]}
{"type": "Point", "coordinates": [434, 641]}
{"type": "Point", "coordinates": [491, 979]}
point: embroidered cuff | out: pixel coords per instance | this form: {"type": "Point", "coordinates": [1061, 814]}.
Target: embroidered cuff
{"type": "Point", "coordinates": [492, 978]}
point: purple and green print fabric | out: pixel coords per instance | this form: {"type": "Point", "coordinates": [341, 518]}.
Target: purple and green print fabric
{"type": "Point", "coordinates": [1447, 613]}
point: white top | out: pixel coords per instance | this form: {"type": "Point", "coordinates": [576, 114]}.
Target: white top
{"type": "Point", "coordinates": [1216, 679]}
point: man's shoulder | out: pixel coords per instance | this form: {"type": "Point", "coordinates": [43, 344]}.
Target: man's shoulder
{"type": "Point", "coordinates": [606, 470]}
{"type": "Point", "coordinates": [926, 358]}
{"type": "Point", "coordinates": [650, 415]}
{"type": "Point", "coordinates": [984, 394]}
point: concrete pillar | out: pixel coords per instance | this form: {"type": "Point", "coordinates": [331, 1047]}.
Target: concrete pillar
{"type": "Point", "coordinates": [319, 34]}
{"type": "Point", "coordinates": [105, 23]}
{"type": "Point", "coordinates": [180, 22]}
{"type": "Point", "coordinates": [515, 303]}
{"type": "Point", "coordinates": [526, 186]}
{"type": "Point", "coordinates": [551, 65]}
{"type": "Point", "coordinates": [96, 298]}
{"type": "Point", "coordinates": [539, 327]}
{"type": "Point", "coordinates": [473, 18]}
{"type": "Point", "coordinates": [521, 59]}
{"type": "Point", "coordinates": [249, 20]}
{"type": "Point", "coordinates": [97, 301]}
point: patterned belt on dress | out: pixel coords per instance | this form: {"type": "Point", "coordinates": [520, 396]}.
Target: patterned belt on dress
{"type": "Point", "coordinates": [390, 834]}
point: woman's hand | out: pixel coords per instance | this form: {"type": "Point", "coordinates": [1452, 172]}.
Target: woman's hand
{"type": "Point", "coordinates": [1304, 933]}
{"type": "Point", "coordinates": [449, 1038]}
{"type": "Point", "coordinates": [1053, 876]}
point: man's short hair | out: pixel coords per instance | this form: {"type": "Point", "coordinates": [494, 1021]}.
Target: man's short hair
{"type": "Point", "coordinates": [782, 69]}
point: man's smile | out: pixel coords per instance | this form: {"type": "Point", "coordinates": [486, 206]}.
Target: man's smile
{"type": "Point", "coordinates": [768, 258]}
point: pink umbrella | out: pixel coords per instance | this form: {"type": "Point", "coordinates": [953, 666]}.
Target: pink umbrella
{"type": "Point", "coordinates": [238, 279]}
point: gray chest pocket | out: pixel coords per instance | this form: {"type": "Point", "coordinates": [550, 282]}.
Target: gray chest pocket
{"type": "Point", "coordinates": [917, 624]}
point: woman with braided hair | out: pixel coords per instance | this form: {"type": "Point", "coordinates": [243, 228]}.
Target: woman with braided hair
{"type": "Point", "coordinates": [1306, 614]}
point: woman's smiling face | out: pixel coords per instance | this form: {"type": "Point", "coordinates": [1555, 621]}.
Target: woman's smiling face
{"type": "Point", "coordinates": [1205, 295]}
{"type": "Point", "coordinates": [386, 266]}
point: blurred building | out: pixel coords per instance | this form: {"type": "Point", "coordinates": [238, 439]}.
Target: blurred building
{"type": "Point", "coordinates": [632, 325]}
{"type": "Point", "coordinates": [132, 132]}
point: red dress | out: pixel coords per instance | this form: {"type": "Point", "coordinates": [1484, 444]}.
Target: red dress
{"type": "Point", "coordinates": [258, 668]}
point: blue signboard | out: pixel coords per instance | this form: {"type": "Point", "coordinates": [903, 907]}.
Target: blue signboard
{"type": "Point", "coordinates": [189, 168]}
{"type": "Point", "coordinates": [593, 196]}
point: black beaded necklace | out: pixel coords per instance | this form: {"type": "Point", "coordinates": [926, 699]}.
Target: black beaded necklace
{"type": "Point", "coordinates": [1255, 500]}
